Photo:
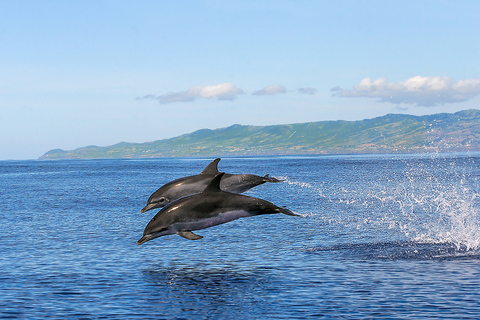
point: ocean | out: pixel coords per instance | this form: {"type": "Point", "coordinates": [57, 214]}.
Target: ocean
{"type": "Point", "coordinates": [377, 237]}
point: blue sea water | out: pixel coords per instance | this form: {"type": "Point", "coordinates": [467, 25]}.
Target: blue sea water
{"type": "Point", "coordinates": [378, 237]}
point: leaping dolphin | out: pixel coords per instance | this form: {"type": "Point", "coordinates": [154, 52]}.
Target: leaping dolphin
{"type": "Point", "coordinates": [178, 188]}
{"type": "Point", "coordinates": [206, 209]}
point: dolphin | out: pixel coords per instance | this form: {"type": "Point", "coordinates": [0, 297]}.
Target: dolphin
{"type": "Point", "coordinates": [209, 208]}
{"type": "Point", "coordinates": [185, 186]}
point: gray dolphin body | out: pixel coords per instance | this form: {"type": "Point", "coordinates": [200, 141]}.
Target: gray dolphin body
{"type": "Point", "coordinates": [182, 187]}
{"type": "Point", "coordinates": [206, 209]}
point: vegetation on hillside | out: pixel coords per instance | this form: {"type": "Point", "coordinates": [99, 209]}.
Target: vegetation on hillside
{"type": "Point", "coordinates": [393, 133]}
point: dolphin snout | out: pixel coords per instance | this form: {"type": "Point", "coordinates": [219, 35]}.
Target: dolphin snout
{"type": "Point", "coordinates": [149, 206]}
{"type": "Point", "coordinates": [143, 240]}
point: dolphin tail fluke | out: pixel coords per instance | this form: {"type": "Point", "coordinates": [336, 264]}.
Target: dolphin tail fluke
{"type": "Point", "coordinates": [286, 211]}
{"type": "Point", "coordinates": [271, 179]}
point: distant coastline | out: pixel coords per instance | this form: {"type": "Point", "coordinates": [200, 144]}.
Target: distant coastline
{"type": "Point", "coordinates": [392, 133]}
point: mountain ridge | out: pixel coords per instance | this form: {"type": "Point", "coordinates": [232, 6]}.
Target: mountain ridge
{"type": "Point", "coordinates": [391, 133]}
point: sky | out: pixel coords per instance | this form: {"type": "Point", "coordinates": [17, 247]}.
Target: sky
{"type": "Point", "coordinates": [98, 72]}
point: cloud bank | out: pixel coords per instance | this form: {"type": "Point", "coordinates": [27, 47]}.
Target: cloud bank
{"type": "Point", "coordinates": [224, 91]}
{"type": "Point", "coordinates": [269, 90]}
{"type": "Point", "coordinates": [420, 91]}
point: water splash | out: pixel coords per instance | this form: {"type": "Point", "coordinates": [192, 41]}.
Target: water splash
{"type": "Point", "coordinates": [457, 219]}
{"type": "Point", "coordinates": [441, 205]}
{"type": "Point", "coordinates": [301, 184]}
{"type": "Point", "coordinates": [434, 202]}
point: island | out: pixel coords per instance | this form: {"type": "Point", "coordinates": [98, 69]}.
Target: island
{"type": "Point", "coordinates": [392, 133]}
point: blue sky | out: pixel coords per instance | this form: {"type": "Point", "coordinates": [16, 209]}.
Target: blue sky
{"type": "Point", "coordinates": [77, 73]}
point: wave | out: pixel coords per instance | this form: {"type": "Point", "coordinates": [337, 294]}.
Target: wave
{"type": "Point", "coordinates": [401, 250]}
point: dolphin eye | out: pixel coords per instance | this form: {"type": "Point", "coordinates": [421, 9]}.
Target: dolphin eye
{"type": "Point", "coordinates": [161, 200]}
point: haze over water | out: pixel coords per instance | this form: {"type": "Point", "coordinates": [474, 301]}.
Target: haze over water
{"type": "Point", "coordinates": [379, 237]}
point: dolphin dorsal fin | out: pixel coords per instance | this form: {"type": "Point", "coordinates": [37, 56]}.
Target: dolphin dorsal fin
{"type": "Point", "coordinates": [214, 185]}
{"type": "Point", "coordinates": [212, 167]}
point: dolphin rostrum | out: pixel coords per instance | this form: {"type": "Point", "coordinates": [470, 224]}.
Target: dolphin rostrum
{"type": "Point", "coordinates": [176, 189]}
{"type": "Point", "coordinates": [206, 209]}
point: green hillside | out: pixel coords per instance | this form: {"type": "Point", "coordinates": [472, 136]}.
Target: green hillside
{"type": "Point", "coordinates": [393, 133]}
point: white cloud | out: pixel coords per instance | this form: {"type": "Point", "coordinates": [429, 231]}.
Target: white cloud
{"type": "Point", "coordinates": [269, 90]}
{"type": "Point", "coordinates": [307, 90]}
{"type": "Point", "coordinates": [420, 91]}
{"type": "Point", "coordinates": [224, 91]}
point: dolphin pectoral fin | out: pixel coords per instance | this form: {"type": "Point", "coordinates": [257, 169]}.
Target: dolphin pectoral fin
{"type": "Point", "coordinates": [187, 234]}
